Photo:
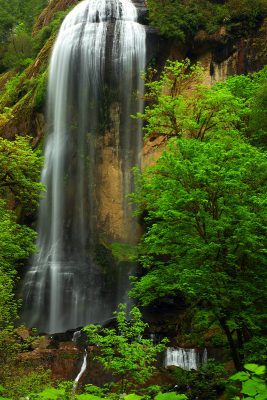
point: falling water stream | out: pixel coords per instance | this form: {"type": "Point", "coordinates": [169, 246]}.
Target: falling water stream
{"type": "Point", "coordinates": [81, 372]}
{"type": "Point", "coordinates": [187, 359]}
{"type": "Point", "coordinates": [94, 87]}
{"type": "Point", "coordinates": [76, 336]}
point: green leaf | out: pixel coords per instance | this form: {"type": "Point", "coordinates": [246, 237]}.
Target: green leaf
{"type": "Point", "coordinates": [51, 394]}
{"type": "Point", "coordinates": [250, 388]}
{"type": "Point", "coordinates": [170, 396]}
{"type": "Point", "coordinates": [132, 396]}
{"type": "Point", "coordinates": [260, 370]}
{"type": "Point", "coordinates": [262, 396]}
{"type": "Point", "coordinates": [240, 376]}
{"type": "Point", "coordinates": [251, 367]}
{"type": "Point", "coordinates": [87, 396]}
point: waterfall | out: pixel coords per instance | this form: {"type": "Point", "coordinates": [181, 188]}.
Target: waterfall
{"type": "Point", "coordinates": [205, 356]}
{"type": "Point", "coordinates": [187, 359]}
{"type": "Point", "coordinates": [75, 338]}
{"type": "Point", "coordinates": [94, 86]}
{"type": "Point", "coordinates": [82, 370]}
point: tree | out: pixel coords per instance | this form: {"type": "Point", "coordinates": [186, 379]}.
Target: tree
{"type": "Point", "coordinates": [180, 105]}
{"type": "Point", "coordinates": [182, 19]}
{"type": "Point", "coordinates": [20, 173]}
{"type": "Point", "coordinates": [251, 89]}
{"type": "Point", "coordinates": [16, 244]}
{"type": "Point", "coordinates": [206, 233]}
{"type": "Point", "coordinates": [14, 14]}
{"type": "Point", "coordinates": [124, 351]}
{"type": "Point", "coordinates": [19, 187]}
{"type": "Point", "coordinates": [19, 48]}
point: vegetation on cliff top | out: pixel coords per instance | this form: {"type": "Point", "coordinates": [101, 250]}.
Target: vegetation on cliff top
{"type": "Point", "coordinates": [182, 19]}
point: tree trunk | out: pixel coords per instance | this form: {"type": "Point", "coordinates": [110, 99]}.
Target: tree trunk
{"type": "Point", "coordinates": [233, 347]}
{"type": "Point", "coordinates": [240, 341]}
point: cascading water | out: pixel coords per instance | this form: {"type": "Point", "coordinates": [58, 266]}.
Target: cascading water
{"type": "Point", "coordinates": [76, 337]}
{"type": "Point", "coordinates": [81, 372]}
{"type": "Point", "coordinates": [94, 87]}
{"type": "Point", "coordinates": [187, 359]}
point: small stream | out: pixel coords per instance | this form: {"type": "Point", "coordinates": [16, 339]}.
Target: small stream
{"type": "Point", "coordinates": [75, 339]}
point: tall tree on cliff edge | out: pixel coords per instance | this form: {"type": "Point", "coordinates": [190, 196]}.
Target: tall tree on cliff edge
{"type": "Point", "coordinates": [204, 200]}
{"type": "Point", "coordinates": [206, 233]}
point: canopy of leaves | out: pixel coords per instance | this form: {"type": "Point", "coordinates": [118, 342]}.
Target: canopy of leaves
{"type": "Point", "coordinates": [180, 105]}
{"type": "Point", "coordinates": [182, 19]}
{"type": "Point", "coordinates": [205, 207]}
{"type": "Point", "coordinates": [14, 12]}
{"type": "Point", "coordinates": [20, 173]}
{"type": "Point", "coordinates": [205, 204]}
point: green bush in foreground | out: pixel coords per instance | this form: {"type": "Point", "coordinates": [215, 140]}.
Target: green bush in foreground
{"type": "Point", "coordinates": [253, 382]}
{"type": "Point", "coordinates": [123, 350]}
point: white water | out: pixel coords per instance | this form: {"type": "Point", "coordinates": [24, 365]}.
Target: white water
{"type": "Point", "coordinates": [205, 356]}
{"type": "Point", "coordinates": [75, 339]}
{"type": "Point", "coordinates": [82, 370]}
{"type": "Point", "coordinates": [96, 63]}
{"type": "Point", "coordinates": [76, 336]}
{"type": "Point", "coordinates": [187, 359]}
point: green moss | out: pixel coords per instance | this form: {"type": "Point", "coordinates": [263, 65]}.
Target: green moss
{"type": "Point", "coordinates": [10, 94]}
{"type": "Point", "coordinates": [103, 256]}
{"type": "Point", "coordinates": [40, 91]}
{"type": "Point", "coordinates": [123, 251]}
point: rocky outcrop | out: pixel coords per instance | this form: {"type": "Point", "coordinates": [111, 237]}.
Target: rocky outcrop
{"type": "Point", "coordinates": [228, 56]}
{"type": "Point", "coordinates": [64, 359]}
{"type": "Point", "coordinates": [25, 118]}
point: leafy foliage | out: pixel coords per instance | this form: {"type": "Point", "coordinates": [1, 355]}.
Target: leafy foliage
{"type": "Point", "coordinates": [15, 12]}
{"type": "Point", "coordinates": [125, 352]}
{"type": "Point", "coordinates": [16, 21]}
{"type": "Point", "coordinates": [180, 105]}
{"type": "Point", "coordinates": [253, 383]}
{"type": "Point", "coordinates": [170, 396]}
{"type": "Point", "coordinates": [27, 382]}
{"type": "Point", "coordinates": [19, 187]}
{"type": "Point", "coordinates": [182, 19]}
{"type": "Point", "coordinates": [19, 50]}
{"type": "Point", "coordinates": [251, 89]}
{"type": "Point", "coordinates": [205, 237]}
{"type": "Point", "coordinates": [208, 382]}
{"type": "Point", "coordinates": [20, 172]}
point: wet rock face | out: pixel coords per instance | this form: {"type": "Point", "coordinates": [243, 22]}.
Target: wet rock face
{"type": "Point", "coordinates": [62, 358]}
{"type": "Point", "coordinates": [246, 56]}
